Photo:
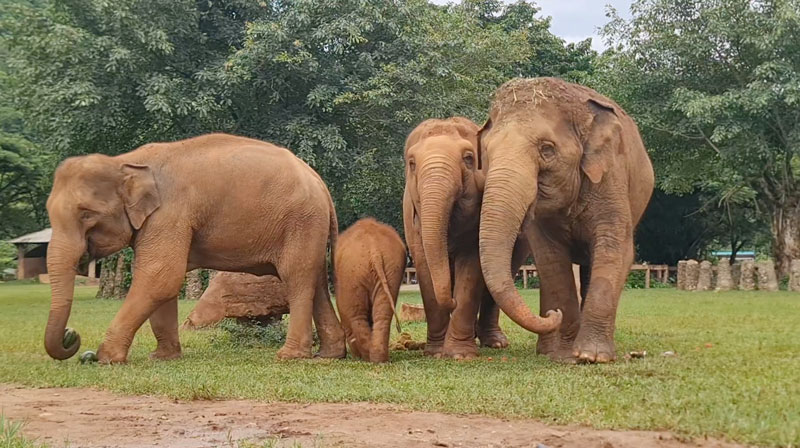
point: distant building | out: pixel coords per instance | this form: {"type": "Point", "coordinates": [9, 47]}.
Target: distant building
{"type": "Point", "coordinates": [740, 255]}
{"type": "Point", "coordinates": [32, 256]}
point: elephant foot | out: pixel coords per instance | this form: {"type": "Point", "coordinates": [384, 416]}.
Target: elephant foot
{"type": "Point", "coordinates": [106, 355]}
{"type": "Point", "coordinates": [592, 346]}
{"type": "Point", "coordinates": [433, 348]}
{"type": "Point", "coordinates": [166, 354]}
{"type": "Point", "coordinates": [379, 357]}
{"type": "Point", "coordinates": [460, 350]}
{"type": "Point", "coordinates": [556, 348]}
{"type": "Point", "coordinates": [493, 339]}
{"type": "Point", "coordinates": [331, 352]}
{"type": "Point", "coordinates": [286, 353]}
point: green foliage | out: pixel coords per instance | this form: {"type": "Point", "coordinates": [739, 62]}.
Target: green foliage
{"type": "Point", "coordinates": [8, 254]}
{"type": "Point", "coordinates": [273, 335]}
{"type": "Point", "coordinates": [341, 83]}
{"type": "Point", "coordinates": [11, 436]}
{"type": "Point", "coordinates": [714, 86]}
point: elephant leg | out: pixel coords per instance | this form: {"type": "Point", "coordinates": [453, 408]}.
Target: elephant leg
{"type": "Point", "coordinates": [557, 291]}
{"type": "Point", "coordinates": [381, 326]}
{"type": "Point", "coordinates": [361, 338]}
{"type": "Point", "coordinates": [157, 280]}
{"type": "Point", "coordinates": [436, 317]}
{"type": "Point", "coordinates": [595, 340]}
{"type": "Point", "coordinates": [586, 274]}
{"type": "Point", "coordinates": [331, 335]}
{"type": "Point", "coordinates": [301, 302]}
{"type": "Point", "coordinates": [469, 289]}
{"type": "Point", "coordinates": [164, 323]}
{"type": "Point", "coordinates": [489, 332]}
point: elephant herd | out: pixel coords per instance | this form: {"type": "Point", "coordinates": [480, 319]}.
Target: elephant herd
{"type": "Point", "coordinates": [558, 171]}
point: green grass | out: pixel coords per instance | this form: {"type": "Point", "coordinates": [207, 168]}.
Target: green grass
{"type": "Point", "coordinates": [11, 437]}
{"type": "Point", "coordinates": [745, 387]}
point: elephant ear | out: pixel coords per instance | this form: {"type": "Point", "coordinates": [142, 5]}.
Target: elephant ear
{"type": "Point", "coordinates": [139, 193]}
{"type": "Point", "coordinates": [603, 142]}
{"type": "Point", "coordinates": [479, 147]}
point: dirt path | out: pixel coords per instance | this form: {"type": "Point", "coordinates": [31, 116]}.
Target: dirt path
{"type": "Point", "coordinates": [93, 418]}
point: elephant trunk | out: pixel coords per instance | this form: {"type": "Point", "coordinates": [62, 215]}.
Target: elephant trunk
{"type": "Point", "coordinates": [510, 191]}
{"type": "Point", "coordinates": [62, 259]}
{"type": "Point", "coordinates": [437, 196]}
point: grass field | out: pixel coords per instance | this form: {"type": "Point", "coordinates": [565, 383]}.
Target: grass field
{"type": "Point", "coordinates": [736, 374]}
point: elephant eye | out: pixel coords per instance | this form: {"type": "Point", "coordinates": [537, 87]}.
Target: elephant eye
{"type": "Point", "coordinates": [547, 150]}
{"type": "Point", "coordinates": [469, 160]}
{"type": "Point", "coordinates": [412, 165]}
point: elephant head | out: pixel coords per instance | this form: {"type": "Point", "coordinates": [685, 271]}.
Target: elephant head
{"type": "Point", "coordinates": [545, 142]}
{"type": "Point", "coordinates": [97, 204]}
{"type": "Point", "coordinates": [444, 184]}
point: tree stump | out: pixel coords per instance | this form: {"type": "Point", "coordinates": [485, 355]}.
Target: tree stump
{"type": "Point", "coordinates": [682, 275]}
{"type": "Point", "coordinates": [238, 295]}
{"type": "Point", "coordinates": [724, 279]}
{"type": "Point", "coordinates": [736, 275]}
{"type": "Point", "coordinates": [794, 276]}
{"type": "Point", "coordinates": [746, 280]}
{"type": "Point", "coordinates": [194, 285]}
{"type": "Point", "coordinates": [692, 275]}
{"type": "Point", "coordinates": [704, 276]}
{"type": "Point", "coordinates": [767, 280]}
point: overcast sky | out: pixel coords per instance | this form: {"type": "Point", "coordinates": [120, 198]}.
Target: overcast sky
{"type": "Point", "coordinates": [575, 20]}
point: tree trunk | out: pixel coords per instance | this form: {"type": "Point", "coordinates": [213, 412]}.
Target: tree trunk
{"type": "Point", "coordinates": [106, 286]}
{"type": "Point", "coordinates": [786, 238]}
{"type": "Point", "coordinates": [194, 285]}
{"type": "Point", "coordinates": [119, 277]}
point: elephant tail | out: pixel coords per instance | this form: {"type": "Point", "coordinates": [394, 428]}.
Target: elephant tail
{"type": "Point", "coordinates": [380, 270]}
{"type": "Point", "coordinates": [333, 233]}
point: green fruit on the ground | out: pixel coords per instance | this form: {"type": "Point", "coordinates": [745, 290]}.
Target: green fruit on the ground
{"type": "Point", "coordinates": [70, 337]}
{"type": "Point", "coordinates": [88, 356]}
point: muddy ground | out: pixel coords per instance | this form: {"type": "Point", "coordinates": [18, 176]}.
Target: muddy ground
{"type": "Point", "coordinates": [94, 418]}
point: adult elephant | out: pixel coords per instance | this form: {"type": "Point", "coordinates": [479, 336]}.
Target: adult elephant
{"type": "Point", "coordinates": [441, 211]}
{"type": "Point", "coordinates": [215, 201]}
{"type": "Point", "coordinates": [568, 167]}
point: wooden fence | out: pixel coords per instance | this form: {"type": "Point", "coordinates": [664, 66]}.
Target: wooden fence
{"type": "Point", "coordinates": [659, 272]}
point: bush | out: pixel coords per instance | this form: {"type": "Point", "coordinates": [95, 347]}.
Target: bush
{"type": "Point", "coordinates": [255, 335]}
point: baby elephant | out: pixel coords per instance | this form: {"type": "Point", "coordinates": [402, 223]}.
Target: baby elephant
{"type": "Point", "coordinates": [368, 264]}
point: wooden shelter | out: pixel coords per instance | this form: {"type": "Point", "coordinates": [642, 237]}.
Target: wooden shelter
{"type": "Point", "coordinates": [32, 257]}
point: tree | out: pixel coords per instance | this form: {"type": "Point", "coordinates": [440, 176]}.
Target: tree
{"type": "Point", "coordinates": [715, 87]}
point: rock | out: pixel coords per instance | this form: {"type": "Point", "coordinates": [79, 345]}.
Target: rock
{"type": "Point", "coordinates": [704, 276]}
{"type": "Point", "coordinates": [668, 354]}
{"type": "Point", "coordinates": [692, 275]}
{"type": "Point", "coordinates": [724, 279]}
{"type": "Point", "coordinates": [794, 276]}
{"type": "Point", "coordinates": [746, 280]}
{"type": "Point", "coordinates": [682, 275]}
{"type": "Point", "coordinates": [412, 313]}
{"type": "Point", "coordinates": [244, 296]}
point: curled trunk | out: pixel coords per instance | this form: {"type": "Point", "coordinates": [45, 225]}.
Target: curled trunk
{"type": "Point", "coordinates": [510, 192]}
{"type": "Point", "coordinates": [62, 259]}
